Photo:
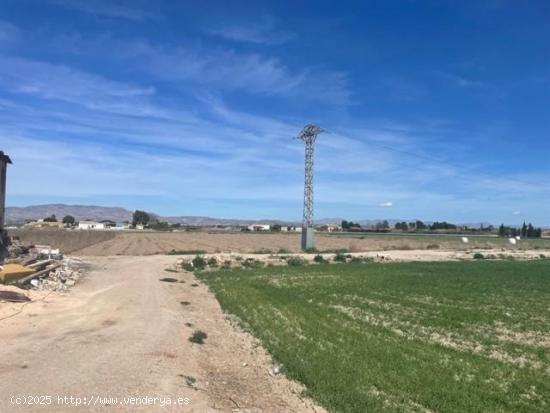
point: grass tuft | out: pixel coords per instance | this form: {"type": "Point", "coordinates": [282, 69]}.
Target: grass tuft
{"type": "Point", "coordinates": [198, 337]}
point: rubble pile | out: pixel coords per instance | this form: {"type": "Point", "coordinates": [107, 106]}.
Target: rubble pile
{"type": "Point", "coordinates": [39, 266]}
{"type": "Point", "coordinates": [62, 277]}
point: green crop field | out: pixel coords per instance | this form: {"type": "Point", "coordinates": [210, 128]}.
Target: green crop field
{"type": "Point", "coordinates": [441, 337]}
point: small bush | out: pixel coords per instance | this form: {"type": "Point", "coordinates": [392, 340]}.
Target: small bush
{"type": "Point", "coordinates": [283, 251]}
{"type": "Point", "coordinates": [296, 261]}
{"type": "Point", "coordinates": [312, 250]}
{"type": "Point", "coordinates": [170, 270]}
{"type": "Point", "coordinates": [319, 259]}
{"type": "Point", "coordinates": [432, 246]}
{"type": "Point", "coordinates": [199, 263]}
{"type": "Point", "coordinates": [478, 256]}
{"type": "Point", "coordinates": [169, 280]}
{"type": "Point", "coordinates": [198, 337]}
{"type": "Point", "coordinates": [194, 285]}
{"type": "Point", "coordinates": [185, 302]}
{"type": "Point", "coordinates": [226, 265]}
{"type": "Point", "coordinates": [340, 257]}
{"type": "Point", "coordinates": [213, 262]}
{"type": "Point", "coordinates": [187, 266]}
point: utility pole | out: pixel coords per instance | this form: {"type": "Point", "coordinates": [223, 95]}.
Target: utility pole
{"type": "Point", "coordinates": [309, 136]}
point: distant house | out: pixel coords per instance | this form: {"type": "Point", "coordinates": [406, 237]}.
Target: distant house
{"type": "Point", "coordinates": [87, 225]}
{"type": "Point", "coordinates": [107, 223]}
{"type": "Point", "coordinates": [329, 228]}
{"type": "Point", "coordinates": [259, 227]}
{"type": "Point", "coordinates": [291, 228]}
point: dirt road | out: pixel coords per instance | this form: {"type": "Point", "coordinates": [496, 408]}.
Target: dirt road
{"type": "Point", "coordinates": [122, 333]}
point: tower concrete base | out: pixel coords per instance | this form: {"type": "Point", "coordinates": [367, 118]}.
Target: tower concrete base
{"type": "Point", "coordinates": [308, 238]}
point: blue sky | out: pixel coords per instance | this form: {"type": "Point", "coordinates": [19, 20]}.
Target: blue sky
{"type": "Point", "coordinates": [436, 110]}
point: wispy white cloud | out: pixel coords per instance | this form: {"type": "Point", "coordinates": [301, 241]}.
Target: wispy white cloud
{"type": "Point", "coordinates": [262, 31]}
{"type": "Point", "coordinates": [110, 9]}
{"type": "Point", "coordinates": [67, 84]}
{"type": "Point", "coordinates": [386, 204]}
{"type": "Point", "coordinates": [253, 73]}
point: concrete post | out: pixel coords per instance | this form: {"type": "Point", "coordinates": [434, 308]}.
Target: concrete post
{"type": "Point", "coordinates": [4, 161]}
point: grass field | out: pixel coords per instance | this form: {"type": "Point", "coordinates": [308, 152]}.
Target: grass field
{"type": "Point", "coordinates": [442, 337]}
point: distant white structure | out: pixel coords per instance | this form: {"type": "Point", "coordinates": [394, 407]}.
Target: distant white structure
{"type": "Point", "coordinates": [465, 240]}
{"type": "Point", "coordinates": [518, 237]}
{"type": "Point", "coordinates": [513, 241]}
{"type": "Point", "coordinates": [291, 228]}
{"type": "Point", "coordinates": [259, 227]}
{"type": "Point", "coordinates": [87, 225]}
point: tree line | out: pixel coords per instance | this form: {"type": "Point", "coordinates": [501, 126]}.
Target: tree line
{"type": "Point", "coordinates": [526, 231]}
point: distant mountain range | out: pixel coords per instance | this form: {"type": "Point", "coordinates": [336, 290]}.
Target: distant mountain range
{"type": "Point", "coordinates": [18, 215]}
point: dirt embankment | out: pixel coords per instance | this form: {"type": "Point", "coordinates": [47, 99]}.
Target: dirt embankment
{"type": "Point", "coordinates": [67, 241]}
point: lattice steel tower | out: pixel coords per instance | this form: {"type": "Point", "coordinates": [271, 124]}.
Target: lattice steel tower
{"type": "Point", "coordinates": [308, 135]}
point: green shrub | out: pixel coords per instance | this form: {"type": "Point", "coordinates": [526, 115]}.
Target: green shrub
{"type": "Point", "coordinates": [212, 262]}
{"type": "Point", "coordinates": [319, 259]}
{"type": "Point", "coordinates": [432, 246]}
{"type": "Point", "coordinates": [283, 251]}
{"type": "Point", "coordinates": [198, 337]}
{"type": "Point", "coordinates": [296, 261]}
{"type": "Point", "coordinates": [340, 257]}
{"type": "Point", "coordinates": [187, 266]}
{"type": "Point", "coordinates": [478, 256]}
{"type": "Point", "coordinates": [199, 263]}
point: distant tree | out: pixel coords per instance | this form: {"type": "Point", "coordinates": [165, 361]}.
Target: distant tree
{"type": "Point", "coordinates": [420, 225]}
{"type": "Point", "coordinates": [502, 231]}
{"type": "Point", "coordinates": [140, 218]}
{"type": "Point", "coordinates": [524, 230]}
{"type": "Point", "coordinates": [51, 218]}
{"type": "Point", "coordinates": [403, 226]}
{"type": "Point", "coordinates": [68, 220]}
{"type": "Point", "coordinates": [276, 228]}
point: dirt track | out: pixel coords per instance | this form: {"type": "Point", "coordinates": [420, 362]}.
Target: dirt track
{"type": "Point", "coordinates": [103, 243]}
{"type": "Point", "coordinates": [122, 332]}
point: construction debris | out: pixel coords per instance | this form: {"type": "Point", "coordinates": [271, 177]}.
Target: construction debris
{"type": "Point", "coordinates": [40, 266]}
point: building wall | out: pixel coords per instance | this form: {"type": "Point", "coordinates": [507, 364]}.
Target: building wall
{"type": "Point", "coordinates": [90, 225]}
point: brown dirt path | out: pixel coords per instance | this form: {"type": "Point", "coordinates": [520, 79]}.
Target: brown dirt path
{"type": "Point", "coordinates": [121, 332]}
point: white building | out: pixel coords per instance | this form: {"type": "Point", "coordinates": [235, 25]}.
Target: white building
{"type": "Point", "coordinates": [90, 225]}
{"type": "Point", "coordinates": [291, 228]}
{"type": "Point", "coordinates": [259, 227]}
